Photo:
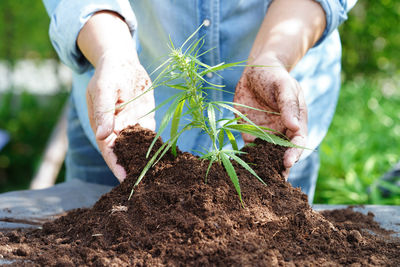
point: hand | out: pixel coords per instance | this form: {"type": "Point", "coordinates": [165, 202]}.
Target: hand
{"type": "Point", "coordinates": [272, 88]}
{"type": "Point", "coordinates": [118, 79]}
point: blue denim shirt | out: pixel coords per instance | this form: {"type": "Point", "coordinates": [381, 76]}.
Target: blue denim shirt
{"type": "Point", "coordinates": [232, 29]}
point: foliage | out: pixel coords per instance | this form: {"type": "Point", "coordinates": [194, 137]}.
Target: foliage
{"type": "Point", "coordinates": [352, 161]}
{"type": "Point", "coordinates": [371, 39]}
{"type": "Point", "coordinates": [362, 144]}
{"type": "Point", "coordinates": [29, 120]}
{"type": "Point", "coordinates": [24, 30]}
{"type": "Point", "coordinates": [184, 71]}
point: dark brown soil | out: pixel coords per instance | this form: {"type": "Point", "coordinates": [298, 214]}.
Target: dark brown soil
{"type": "Point", "coordinates": [176, 219]}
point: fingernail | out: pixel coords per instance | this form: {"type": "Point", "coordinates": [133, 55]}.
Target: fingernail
{"type": "Point", "coordinates": [292, 161]}
{"type": "Point", "coordinates": [296, 121]}
{"type": "Point", "coordinates": [100, 131]}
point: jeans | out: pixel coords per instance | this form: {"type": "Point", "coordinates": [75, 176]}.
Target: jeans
{"type": "Point", "coordinates": [304, 174]}
{"type": "Point", "coordinates": [84, 162]}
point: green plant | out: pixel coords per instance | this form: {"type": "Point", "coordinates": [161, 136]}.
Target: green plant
{"type": "Point", "coordinates": [184, 71]}
{"type": "Point", "coordinates": [29, 120]}
{"type": "Point", "coordinates": [354, 157]}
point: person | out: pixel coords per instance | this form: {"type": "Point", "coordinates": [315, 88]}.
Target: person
{"type": "Point", "coordinates": [111, 46]}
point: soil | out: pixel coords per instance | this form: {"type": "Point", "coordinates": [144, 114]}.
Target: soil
{"type": "Point", "coordinates": [174, 218]}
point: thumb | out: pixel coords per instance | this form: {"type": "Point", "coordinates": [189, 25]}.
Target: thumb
{"type": "Point", "coordinates": [101, 109]}
{"type": "Point", "coordinates": [288, 103]}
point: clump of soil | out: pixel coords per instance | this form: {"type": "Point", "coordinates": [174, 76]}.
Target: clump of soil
{"type": "Point", "coordinates": [176, 219]}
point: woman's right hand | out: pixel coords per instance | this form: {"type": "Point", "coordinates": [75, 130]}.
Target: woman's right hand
{"type": "Point", "coordinates": [105, 40]}
{"type": "Point", "coordinates": [118, 79]}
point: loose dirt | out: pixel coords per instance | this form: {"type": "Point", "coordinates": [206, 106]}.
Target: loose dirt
{"type": "Point", "coordinates": [174, 218]}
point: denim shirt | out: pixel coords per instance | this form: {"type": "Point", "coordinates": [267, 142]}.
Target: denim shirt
{"type": "Point", "coordinates": [231, 27]}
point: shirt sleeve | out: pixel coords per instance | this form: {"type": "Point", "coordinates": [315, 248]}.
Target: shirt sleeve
{"type": "Point", "coordinates": [336, 13]}
{"type": "Point", "coordinates": [67, 17]}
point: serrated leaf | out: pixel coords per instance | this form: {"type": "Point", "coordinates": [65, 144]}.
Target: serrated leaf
{"type": "Point", "coordinates": [169, 143]}
{"type": "Point", "coordinates": [164, 122]}
{"type": "Point", "coordinates": [216, 89]}
{"type": "Point", "coordinates": [161, 105]}
{"type": "Point", "coordinates": [246, 166]}
{"type": "Point", "coordinates": [211, 119]}
{"type": "Point", "coordinates": [232, 174]}
{"type": "Point", "coordinates": [269, 137]}
{"type": "Point", "coordinates": [232, 139]}
{"type": "Point", "coordinates": [190, 49]}
{"type": "Point", "coordinates": [212, 160]}
{"type": "Point", "coordinates": [237, 112]}
{"type": "Point", "coordinates": [178, 86]}
{"type": "Point", "coordinates": [246, 106]}
{"type": "Point", "coordinates": [191, 36]}
{"type": "Point", "coordinates": [221, 66]}
{"type": "Point", "coordinates": [175, 123]}
{"type": "Point", "coordinates": [146, 168]}
{"type": "Point", "coordinates": [221, 138]}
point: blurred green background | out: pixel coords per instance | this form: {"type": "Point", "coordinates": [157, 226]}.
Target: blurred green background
{"type": "Point", "coordinates": [362, 144]}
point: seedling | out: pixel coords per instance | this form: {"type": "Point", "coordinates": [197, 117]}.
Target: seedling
{"type": "Point", "coordinates": [184, 71]}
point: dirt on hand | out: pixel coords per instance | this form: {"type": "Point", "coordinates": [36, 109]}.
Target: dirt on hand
{"type": "Point", "coordinates": [174, 218]}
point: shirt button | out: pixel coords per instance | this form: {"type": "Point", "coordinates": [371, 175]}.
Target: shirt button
{"type": "Point", "coordinates": [206, 22]}
{"type": "Point", "coordinates": [209, 75]}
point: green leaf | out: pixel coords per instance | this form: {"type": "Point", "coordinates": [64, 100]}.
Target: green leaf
{"type": "Point", "coordinates": [246, 166]}
{"type": "Point", "coordinates": [221, 138]}
{"type": "Point", "coordinates": [147, 167]}
{"type": "Point", "coordinates": [232, 174]}
{"type": "Point", "coordinates": [212, 160]}
{"type": "Point", "coordinates": [170, 143]}
{"type": "Point", "coordinates": [171, 43]}
{"type": "Point", "coordinates": [175, 123]}
{"type": "Point", "coordinates": [246, 106]}
{"type": "Point", "coordinates": [237, 112]}
{"type": "Point", "coordinates": [221, 66]}
{"type": "Point", "coordinates": [211, 119]}
{"type": "Point", "coordinates": [208, 82]}
{"type": "Point", "coordinates": [194, 45]}
{"type": "Point", "coordinates": [164, 122]}
{"type": "Point", "coordinates": [269, 137]}
{"type": "Point", "coordinates": [232, 139]}
{"type": "Point", "coordinates": [204, 88]}
{"type": "Point", "coordinates": [167, 61]}
{"type": "Point", "coordinates": [178, 86]}
{"type": "Point", "coordinates": [161, 104]}
{"type": "Point", "coordinates": [191, 36]}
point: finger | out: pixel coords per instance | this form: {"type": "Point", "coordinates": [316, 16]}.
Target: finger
{"type": "Point", "coordinates": [102, 99]}
{"type": "Point", "coordinates": [293, 154]}
{"type": "Point", "coordinates": [247, 138]}
{"type": "Point", "coordinates": [106, 148]}
{"type": "Point", "coordinates": [288, 103]}
{"type": "Point", "coordinates": [303, 119]}
{"type": "Point", "coordinates": [136, 111]}
{"type": "Point", "coordinates": [299, 137]}
{"type": "Point", "coordinates": [286, 173]}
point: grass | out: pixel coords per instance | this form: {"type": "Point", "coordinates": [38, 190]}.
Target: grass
{"type": "Point", "coordinates": [362, 144]}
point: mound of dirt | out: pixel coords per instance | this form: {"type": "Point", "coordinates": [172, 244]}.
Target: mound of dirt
{"type": "Point", "coordinates": [174, 218]}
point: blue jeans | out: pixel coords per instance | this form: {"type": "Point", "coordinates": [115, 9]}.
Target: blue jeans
{"type": "Point", "coordinates": [84, 162]}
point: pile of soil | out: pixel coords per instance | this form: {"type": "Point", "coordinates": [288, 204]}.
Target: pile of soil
{"type": "Point", "coordinates": [174, 218]}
